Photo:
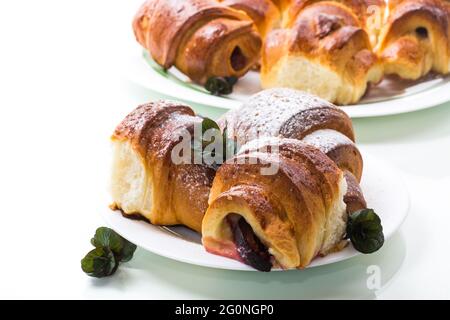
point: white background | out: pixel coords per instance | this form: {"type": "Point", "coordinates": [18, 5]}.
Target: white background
{"type": "Point", "coordinates": [61, 95]}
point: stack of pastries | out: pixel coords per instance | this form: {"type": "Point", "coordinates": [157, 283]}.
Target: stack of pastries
{"type": "Point", "coordinates": [333, 49]}
{"type": "Point", "coordinates": [281, 218]}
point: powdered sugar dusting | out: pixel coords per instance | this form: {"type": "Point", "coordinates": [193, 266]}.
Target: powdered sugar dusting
{"type": "Point", "coordinates": [256, 118]}
{"type": "Point", "coordinates": [327, 139]}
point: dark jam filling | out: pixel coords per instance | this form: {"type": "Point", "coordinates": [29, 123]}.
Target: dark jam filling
{"type": "Point", "coordinates": [252, 251]}
{"type": "Point", "coordinates": [134, 216]}
{"type": "Point", "coordinates": [238, 60]}
{"type": "Point", "coordinates": [422, 32]}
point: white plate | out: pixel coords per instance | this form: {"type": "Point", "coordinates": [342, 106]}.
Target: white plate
{"type": "Point", "coordinates": [388, 98]}
{"type": "Point", "coordinates": [383, 189]}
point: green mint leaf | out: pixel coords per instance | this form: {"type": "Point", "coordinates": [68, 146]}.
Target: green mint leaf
{"type": "Point", "coordinates": [208, 124]}
{"type": "Point", "coordinates": [106, 237]}
{"type": "Point", "coordinates": [365, 231]}
{"type": "Point", "coordinates": [219, 85]}
{"type": "Point", "coordinates": [122, 249]}
{"type": "Point", "coordinates": [127, 251]}
{"type": "Point", "coordinates": [232, 80]}
{"type": "Point", "coordinates": [99, 262]}
{"type": "Point", "coordinates": [199, 144]}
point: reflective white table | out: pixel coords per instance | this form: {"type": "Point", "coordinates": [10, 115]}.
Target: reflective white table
{"type": "Point", "coordinates": [61, 96]}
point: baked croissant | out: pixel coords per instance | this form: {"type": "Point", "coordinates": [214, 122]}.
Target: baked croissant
{"type": "Point", "coordinates": [264, 13]}
{"type": "Point", "coordinates": [299, 212]}
{"type": "Point", "coordinates": [289, 113]}
{"type": "Point", "coordinates": [145, 180]}
{"type": "Point", "coordinates": [296, 213]}
{"type": "Point", "coordinates": [369, 12]}
{"type": "Point", "coordinates": [416, 39]}
{"type": "Point", "coordinates": [324, 51]}
{"type": "Point", "coordinates": [202, 38]}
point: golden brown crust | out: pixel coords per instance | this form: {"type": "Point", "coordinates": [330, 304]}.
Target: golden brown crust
{"type": "Point", "coordinates": [262, 211]}
{"type": "Point", "coordinates": [167, 28]}
{"type": "Point", "coordinates": [354, 198]}
{"type": "Point", "coordinates": [303, 187]}
{"type": "Point", "coordinates": [338, 148]}
{"type": "Point", "coordinates": [282, 4]}
{"type": "Point", "coordinates": [313, 158]}
{"type": "Point", "coordinates": [287, 113]}
{"type": "Point", "coordinates": [228, 54]}
{"type": "Point", "coordinates": [181, 192]}
{"type": "Point", "coordinates": [329, 38]}
{"type": "Point", "coordinates": [274, 48]}
{"type": "Point", "coordinates": [415, 39]}
{"type": "Point", "coordinates": [370, 13]}
{"type": "Point", "coordinates": [264, 13]}
{"type": "Point", "coordinates": [325, 25]}
{"type": "Point", "coordinates": [294, 210]}
{"type": "Point", "coordinates": [303, 193]}
{"type": "Point", "coordinates": [284, 113]}
{"type": "Point", "coordinates": [135, 124]}
{"type": "Point", "coordinates": [348, 157]}
{"type": "Point", "coordinates": [191, 187]}
{"type": "Point", "coordinates": [361, 8]}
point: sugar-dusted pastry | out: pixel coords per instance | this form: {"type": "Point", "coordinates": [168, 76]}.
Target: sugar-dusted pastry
{"type": "Point", "coordinates": [293, 114]}
{"type": "Point", "coordinates": [370, 13]}
{"type": "Point", "coordinates": [295, 214]}
{"type": "Point", "coordinates": [325, 51]}
{"type": "Point", "coordinates": [416, 38]}
{"type": "Point", "coordinates": [288, 216]}
{"type": "Point", "coordinates": [145, 180]}
{"type": "Point", "coordinates": [289, 194]}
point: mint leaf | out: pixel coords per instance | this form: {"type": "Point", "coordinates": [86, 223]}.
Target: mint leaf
{"type": "Point", "coordinates": [106, 237]}
{"type": "Point", "coordinates": [122, 249]}
{"type": "Point", "coordinates": [208, 124]}
{"type": "Point", "coordinates": [99, 262]}
{"type": "Point", "coordinates": [220, 85]}
{"type": "Point", "coordinates": [365, 231]}
{"type": "Point", "coordinates": [127, 251]}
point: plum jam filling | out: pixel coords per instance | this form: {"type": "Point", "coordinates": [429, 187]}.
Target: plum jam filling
{"type": "Point", "coordinates": [238, 60]}
{"type": "Point", "coordinates": [422, 32]}
{"type": "Point", "coordinates": [252, 251]}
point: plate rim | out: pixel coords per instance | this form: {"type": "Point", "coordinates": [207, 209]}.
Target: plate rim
{"type": "Point", "coordinates": [139, 72]}
{"type": "Point", "coordinates": [228, 264]}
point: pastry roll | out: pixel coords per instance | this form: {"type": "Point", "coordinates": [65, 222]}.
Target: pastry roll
{"type": "Point", "coordinates": [324, 51]}
{"type": "Point", "coordinates": [292, 215]}
{"type": "Point", "coordinates": [369, 12]}
{"type": "Point", "coordinates": [284, 112]}
{"type": "Point", "coordinates": [415, 39]}
{"type": "Point", "coordinates": [202, 38]}
{"type": "Point", "coordinates": [293, 114]}
{"type": "Point", "coordinates": [287, 216]}
{"type": "Point", "coordinates": [264, 13]}
{"type": "Point", "coordinates": [145, 180]}
{"type": "Point", "coordinates": [347, 157]}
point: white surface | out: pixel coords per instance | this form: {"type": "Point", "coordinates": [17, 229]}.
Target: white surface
{"type": "Point", "coordinates": [60, 98]}
{"type": "Point", "coordinates": [383, 189]}
{"type": "Point", "coordinates": [388, 98]}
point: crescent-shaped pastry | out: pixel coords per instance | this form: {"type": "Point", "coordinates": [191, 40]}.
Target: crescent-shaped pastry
{"type": "Point", "coordinates": [145, 180]}
{"type": "Point", "coordinates": [416, 39]}
{"type": "Point", "coordinates": [298, 210]}
{"type": "Point", "coordinates": [325, 51]}
{"type": "Point", "coordinates": [202, 38]}
{"type": "Point", "coordinates": [297, 213]}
